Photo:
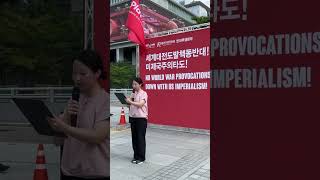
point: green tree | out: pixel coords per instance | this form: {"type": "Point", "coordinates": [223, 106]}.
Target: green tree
{"type": "Point", "coordinates": [201, 20]}
{"type": "Point", "coordinates": [37, 42]}
{"type": "Point", "coordinates": [121, 75]}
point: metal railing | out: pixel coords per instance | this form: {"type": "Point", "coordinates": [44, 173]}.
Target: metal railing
{"type": "Point", "coordinates": [50, 94]}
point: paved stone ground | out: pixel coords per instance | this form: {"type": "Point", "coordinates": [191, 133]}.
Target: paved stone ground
{"type": "Point", "coordinates": [170, 155]}
{"type": "Point", "coordinates": [21, 159]}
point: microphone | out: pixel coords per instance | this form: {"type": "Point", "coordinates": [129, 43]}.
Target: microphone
{"type": "Point", "coordinates": [75, 97]}
{"type": "Point", "coordinates": [132, 99]}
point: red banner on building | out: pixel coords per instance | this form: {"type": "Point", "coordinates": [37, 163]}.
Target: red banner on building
{"type": "Point", "coordinates": [176, 72]}
{"type": "Point", "coordinates": [266, 89]}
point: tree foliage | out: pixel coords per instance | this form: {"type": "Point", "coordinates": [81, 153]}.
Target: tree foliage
{"type": "Point", "coordinates": [201, 20]}
{"type": "Point", "coordinates": [121, 75]}
{"type": "Point", "coordinates": [37, 42]}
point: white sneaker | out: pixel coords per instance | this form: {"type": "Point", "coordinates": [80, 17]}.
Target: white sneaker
{"type": "Point", "coordinates": [139, 162]}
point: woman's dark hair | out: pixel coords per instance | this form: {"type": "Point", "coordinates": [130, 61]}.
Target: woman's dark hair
{"type": "Point", "coordinates": [92, 60]}
{"type": "Point", "coordinates": [138, 80]}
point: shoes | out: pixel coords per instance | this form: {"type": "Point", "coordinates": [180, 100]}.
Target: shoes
{"type": "Point", "coordinates": [134, 161]}
{"type": "Point", "coordinates": [3, 167]}
{"type": "Point", "coordinates": [139, 162]}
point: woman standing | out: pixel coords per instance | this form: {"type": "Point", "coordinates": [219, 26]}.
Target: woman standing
{"type": "Point", "coordinates": [86, 148]}
{"type": "Point", "coordinates": [138, 115]}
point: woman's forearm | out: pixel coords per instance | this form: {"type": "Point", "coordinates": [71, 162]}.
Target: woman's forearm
{"type": "Point", "coordinates": [87, 135]}
{"type": "Point", "coordinates": [139, 104]}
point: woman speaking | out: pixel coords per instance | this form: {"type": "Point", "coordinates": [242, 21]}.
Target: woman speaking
{"type": "Point", "coordinates": [138, 115]}
{"type": "Point", "coordinates": [86, 148]}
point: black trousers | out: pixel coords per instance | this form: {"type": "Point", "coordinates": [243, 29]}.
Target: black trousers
{"type": "Point", "coordinates": [138, 134]}
{"type": "Point", "coordinates": [63, 177]}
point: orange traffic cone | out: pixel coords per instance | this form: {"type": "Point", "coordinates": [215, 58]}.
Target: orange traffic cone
{"type": "Point", "coordinates": [40, 173]}
{"type": "Point", "coordinates": [122, 117]}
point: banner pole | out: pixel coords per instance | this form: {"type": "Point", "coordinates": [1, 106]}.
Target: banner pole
{"type": "Point", "coordinates": [137, 60]}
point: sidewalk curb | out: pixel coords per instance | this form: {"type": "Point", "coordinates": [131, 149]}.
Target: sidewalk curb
{"type": "Point", "coordinates": [164, 127]}
{"type": "Point", "coordinates": [179, 129]}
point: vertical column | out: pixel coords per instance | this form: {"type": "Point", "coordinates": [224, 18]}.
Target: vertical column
{"type": "Point", "coordinates": [119, 55]}
{"type": "Point", "coordinates": [134, 57]}
{"type": "Point", "coordinates": [88, 24]}
{"type": "Point", "coordinates": [138, 61]}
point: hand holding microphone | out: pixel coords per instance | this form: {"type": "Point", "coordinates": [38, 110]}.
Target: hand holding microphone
{"type": "Point", "coordinates": [73, 106]}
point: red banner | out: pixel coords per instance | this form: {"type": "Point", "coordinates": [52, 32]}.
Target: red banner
{"type": "Point", "coordinates": [266, 84]}
{"type": "Point", "coordinates": [134, 24]}
{"type": "Point", "coordinates": [176, 72]}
